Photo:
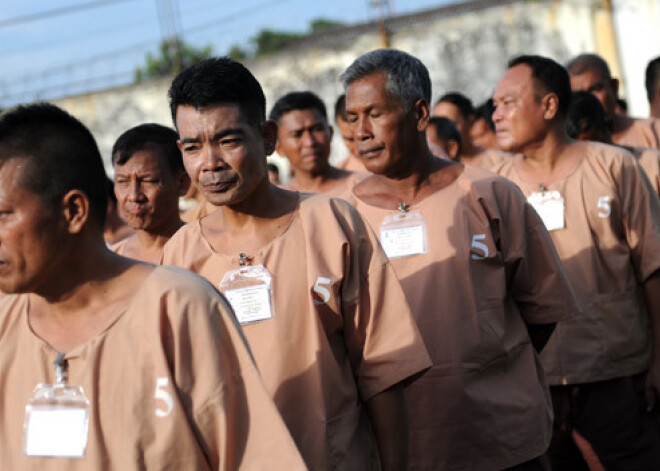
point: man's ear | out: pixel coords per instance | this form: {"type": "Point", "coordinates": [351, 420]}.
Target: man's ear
{"type": "Point", "coordinates": [269, 136]}
{"type": "Point", "coordinates": [550, 103]}
{"type": "Point", "coordinates": [422, 114]}
{"type": "Point", "coordinates": [184, 183]}
{"type": "Point", "coordinates": [614, 83]}
{"type": "Point", "coordinates": [75, 209]}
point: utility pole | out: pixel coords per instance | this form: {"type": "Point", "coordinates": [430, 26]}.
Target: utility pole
{"type": "Point", "coordinates": [384, 11]}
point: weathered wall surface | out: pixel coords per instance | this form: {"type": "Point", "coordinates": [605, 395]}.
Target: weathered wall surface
{"type": "Point", "coordinates": [465, 47]}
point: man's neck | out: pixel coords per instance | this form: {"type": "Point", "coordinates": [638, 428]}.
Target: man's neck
{"type": "Point", "coordinates": [317, 181]}
{"type": "Point", "coordinates": [544, 154]}
{"type": "Point", "coordinates": [157, 237]}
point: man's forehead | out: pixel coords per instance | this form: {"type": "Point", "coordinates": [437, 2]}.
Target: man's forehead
{"type": "Point", "coordinates": [516, 79]}
{"type": "Point", "coordinates": [297, 116]}
{"type": "Point", "coordinates": [149, 157]}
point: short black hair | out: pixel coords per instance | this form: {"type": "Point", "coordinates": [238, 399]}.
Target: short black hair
{"type": "Point", "coordinates": [340, 108]}
{"type": "Point", "coordinates": [460, 101]}
{"type": "Point", "coordinates": [446, 130]}
{"type": "Point", "coordinates": [273, 168]}
{"type": "Point", "coordinates": [485, 111]}
{"type": "Point", "coordinates": [585, 114]}
{"type": "Point", "coordinates": [60, 153]}
{"type": "Point", "coordinates": [297, 101]}
{"type": "Point", "coordinates": [652, 78]}
{"type": "Point", "coordinates": [216, 81]}
{"type": "Point", "coordinates": [551, 76]}
{"type": "Point", "coordinates": [149, 136]}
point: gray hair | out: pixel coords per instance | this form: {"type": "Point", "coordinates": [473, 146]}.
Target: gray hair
{"type": "Point", "coordinates": [407, 78]}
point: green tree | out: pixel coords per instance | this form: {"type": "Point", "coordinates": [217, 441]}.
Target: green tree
{"type": "Point", "coordinates": [173, 56]}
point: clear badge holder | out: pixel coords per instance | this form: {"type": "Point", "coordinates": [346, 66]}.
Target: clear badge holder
{"type": "Point", "coordinates": [247, 289]}
{"type": "Point", "coordinates": [404, 233]}
{"type": "Point", "coordinates": [57, 418]}
{"type": "Point", "coordinates": [550, 207]}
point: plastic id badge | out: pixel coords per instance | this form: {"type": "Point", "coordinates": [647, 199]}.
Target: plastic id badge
{"type": "Point", "coordinates": [56, 421]}
{"type": "Point", "coordinates": [248, 290]}
{"type": "Point", "coordinates": [403, 234]}
{"type": "Point", "coordinates": [550, 207]}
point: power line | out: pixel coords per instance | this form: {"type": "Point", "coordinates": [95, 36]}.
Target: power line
{"type": "Point", "coordinates": [57, 12]}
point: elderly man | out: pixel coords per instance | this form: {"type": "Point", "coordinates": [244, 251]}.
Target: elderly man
{"type": "Point", "coordinates": [590, 73]}
{"type": "Point", "coordinates": [604, 365]}
{"type": "Point", "coordinates": [320, 305]}
{"type": "Point", "coordinates": [149, 179]}
{"type": "Point", "coordinates": [107, 363]}
{"type": "Point", "coordinates": [478, 268]}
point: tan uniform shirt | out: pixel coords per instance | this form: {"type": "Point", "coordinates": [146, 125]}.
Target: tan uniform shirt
{"type": "Point", "coordinates": [489, 268]}
{"type": "Point", "coordinates": [132, 248]}
{"type": "Point", "coordinates": [610, 245]}
{"type": "Point", "coordinates": [649, 160]}
{"type": "Point", "coordinates": [341, 330]}
{"type": "Point", "coordinates": [353, 164]}
{"type": "Point", "coordinates": [487, 158]}
{"type": "Point", "coordinates": [637, 132]}
{"type": "Point", "coordinates": [171, 385]}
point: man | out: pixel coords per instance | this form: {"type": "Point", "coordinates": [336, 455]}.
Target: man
{"type": "Point", "coordinates": [653, 86]}
{"type": "Point", "coordinates": [320, 305]}
{"type": "Point", "coordinates": [303, 137]}
{"type": "Point", "coordinates": [352, 162]}
{"type": "Point", "coordinates": [107, 363]}
{"type": "Point", "coordinates": [604, 220]}
{"type": "Point", "coordinates": [443, 138]}
{"type": "Point", "coordinates": [149, 179]}
{"type": "Point", "coordinates": [590, 73]}
{"type": "Point", "coordinates": [459, 109]}
{"type": "Point", "coordinates": [478, 270]}
{"type": "Point", "coordinates": [482, 131]}
{"type": "Point", "coordinates": [586, 121]}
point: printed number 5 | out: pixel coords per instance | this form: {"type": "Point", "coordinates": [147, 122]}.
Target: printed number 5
{"type": "Point", "coordinates": [164, 396]}
{"type": "Point", "coordinates": [479, 246]}
{"type": "Point", "coordinates": [604, 206]}
{"type": "Point", "coordinates": [322, 290]}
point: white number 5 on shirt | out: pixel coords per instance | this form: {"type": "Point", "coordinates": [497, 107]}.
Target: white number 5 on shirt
{"type": "Point", "coordinates": [163, 396]}
{"type": "Point", "coordinates": [604, 206]}
{"type": "Point", "coordinates": [480, 246]}
{"type": "Point", "coordinates": [322, 290]}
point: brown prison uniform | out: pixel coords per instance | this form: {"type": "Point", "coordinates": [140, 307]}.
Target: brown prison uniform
{"type": "Point", "coordinates": [649, 160]}
{"type": "Point", "coordinates": [484, 405]}
{"type": "Point", "coordinates": [343, 188]}
{"type": "Point", "coordinates": [486, 158]}
{"type": "Point", "coordinates": [341, 330]}
{"type": "Point", "coordinates": [609, 247]}
{"type": "Point", "coordinates": [636, 132]}
{"type": "Point", "coordinates": [199, 211]}
{"type": "Point", "coordinates": [176, 349]}
{"type": "Point", "coordinates": [131, 247]}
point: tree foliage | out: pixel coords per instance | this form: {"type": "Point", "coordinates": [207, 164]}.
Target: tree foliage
{"type": "Point", "coordinates": [173, 56]}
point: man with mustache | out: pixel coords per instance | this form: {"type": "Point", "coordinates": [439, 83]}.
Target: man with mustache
{"type": "Point", "coordinates": [149, 179]}
{"type": "Point", "coordinates": [320, 305]}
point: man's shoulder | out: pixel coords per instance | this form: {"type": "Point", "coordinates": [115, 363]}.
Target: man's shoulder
{"type": "Point", "coordinates": [169, 282]}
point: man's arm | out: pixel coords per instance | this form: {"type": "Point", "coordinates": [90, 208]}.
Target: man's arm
{"type": "Point", "coordinates": [539, 334]}
{"type": "Point", "coordinates": [389, 420]}
{"type": "Point", "coordinates": [652, 297]}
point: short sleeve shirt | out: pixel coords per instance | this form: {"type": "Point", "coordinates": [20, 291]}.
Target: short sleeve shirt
{"type": "Point", "coordinates": [639, 132]}
{"type": "Point", "coordinates": [340, 333]}
{"type": "Point", "coordinates": [130, 247]}
{"type": "Point", "coordinates": [649, 160]}
{"type": "Point", "coordinates": [155, 402]}
{"type": "Point", "coordinates": [609, 247]}
{"type": "Point", "coordinates": [489, 269]}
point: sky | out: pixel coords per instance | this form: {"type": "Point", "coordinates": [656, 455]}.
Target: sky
{"type": "Point", "coordinates": [55, 49]}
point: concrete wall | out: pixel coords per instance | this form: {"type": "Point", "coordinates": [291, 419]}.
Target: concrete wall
{"type": "Point", "coordinates": [465, 47]}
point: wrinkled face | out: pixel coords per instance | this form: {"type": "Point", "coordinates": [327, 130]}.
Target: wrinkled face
{"type": "Point", "coordinates": [453, 113]}
{"type": "Point", "coordinates": [602, 88]}
{"type": "Point", "coordinates": [224, 154]}
{"type": "Point", "coordinates": [347, 137]}
{"type": "Point", "coordinates": [519, 115]}
{"type": "Point", "coordinates": [382, 128]}
{"type": "Point", "coordinates": [303, 137]}
{"type": "Point", "coordinates": [147, 192]}
{"type": "Point", "coordinates": [31, 245]}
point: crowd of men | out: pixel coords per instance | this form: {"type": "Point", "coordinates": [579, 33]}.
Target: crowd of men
{"type": "Point", "coordinates": [470, 289]}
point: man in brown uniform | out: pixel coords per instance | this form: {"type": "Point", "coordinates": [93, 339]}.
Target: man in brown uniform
{"type": "Point", "coordinates": [149, 179]}
{"type": "Point", "coordinates": [590, 73]}
{"type": "Point", "coordinates": [151, 369]}
{"type": "Point", "coordinates": [652, 83]}
{"type": "Point", "coordinates": [586, 121]}
{"type": "Point", "coordinates": [319, 302]}
{"type": "Point", "coordinates": [478, 269]}
{"type": "Point", "coordinates": [459, 109]}
{"type": "Point", "coordinates": [303, 137]}
{"type": "Point", "coordinates": [352, 162]}
{"type": "Point", "coordinates": [605, 222]}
